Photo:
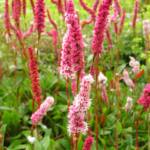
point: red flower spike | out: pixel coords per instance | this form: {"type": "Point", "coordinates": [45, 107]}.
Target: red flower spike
{"type": "Point", "coordinates": [40, 16]}
{"type": "Point", "coordinates": [7, 18]}
{"type": "Point", "coordinates": [16, 11]}
{"type": "Point", "coordinates": [34, 76]}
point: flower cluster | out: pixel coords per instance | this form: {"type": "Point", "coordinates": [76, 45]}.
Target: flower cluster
{"type": "Point", "coordinates": [144, 100]}
{"type": "Point", "coordinates": [134, 64]}
{"type": "Point", "coordinates": [88, 143]}
{"type": "Point", "coordinates": [41, 112]}
{"type": "Point", "coordinates": [34, 76]}
{"type": "Point", "coordinates": [100, 27]}
{"type": "Point", "coordinates": [80, 105]}
{"type": "Point", "coordinates": [72, 47]}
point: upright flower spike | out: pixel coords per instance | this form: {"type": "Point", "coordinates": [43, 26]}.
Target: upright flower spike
{"type": "Point", "coordinates": [7, 18]}
{"type": "Point", "coordinates": [72, 56]}
{"type": "Point", "coordinates": [34, 76]}
{"type": "Point", "coordinates": [80, 105]}
{"type": "Point", "coordinates": [135, 13]}
{"type": "Point", "coordinates": [16, 11]}
{"type": "Point", "coordinates": [144, 100]}
{"type": "Point", "coordinates": [42, 110]}
{"type": "Point", "coordinates": [75, 36]}
{"type": "Point", "coordinates": [88, 143]}
{"type": "Point", "coordinates": [66, 63]}
{"type": "Point", "coordinates": [40, 16]}
{"type": "Point", "coordinates": [100, 27]}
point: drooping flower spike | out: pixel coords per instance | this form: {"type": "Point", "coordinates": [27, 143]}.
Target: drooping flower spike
{"type": "Point", "coordinates": [42, 110]}
{"type": "Point", "coordinates": [128, 81]}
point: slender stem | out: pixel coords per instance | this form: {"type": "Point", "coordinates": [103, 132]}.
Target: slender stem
{"type": "Point", "coordinates": [137, 140]}
{"type": "Point", "coordinates": [116, 139]}
{"type": "Point", "coordinates": [67, 93]}
{"type": "Point", "coordinates": [96, 58]}
{"type": "Point", "coordinates": [75, 141]}
{"type": "Point", "coordinates": [148, 118]}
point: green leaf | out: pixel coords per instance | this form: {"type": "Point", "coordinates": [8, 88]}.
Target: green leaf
{"type": "Point", "coordinates": [119, 127]}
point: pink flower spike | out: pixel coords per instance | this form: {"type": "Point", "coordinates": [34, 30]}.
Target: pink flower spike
{"type": "Point", "coordinates": [80, 105]}
{"type": "Point", "coordinates": [100, 27]}
{"type": "Point", "coordinates": [66, 63]}
{"type": "Point", "coordinates": [41, 112]}
{"type": "Point", "coordinates": [144, 100]}
{"type": "Point", "coordinates": [72, 56]}
{"type": "Point", "coordinates": [88, 143]}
